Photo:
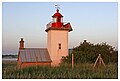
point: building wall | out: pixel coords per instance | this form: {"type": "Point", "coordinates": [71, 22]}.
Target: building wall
{"type": "Point", "coordinates": [54, 38]}
{"type": "Point", "coordinates": [18, 60]}
{"type": "Point", "coordinates": [31, 64]}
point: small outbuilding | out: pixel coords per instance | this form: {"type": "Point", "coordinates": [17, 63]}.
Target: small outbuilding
{"type": "Point", "coordinates": [32, 56]}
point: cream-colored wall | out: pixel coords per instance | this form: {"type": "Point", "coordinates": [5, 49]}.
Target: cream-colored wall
{"type": "Point", "coordinates": [54, 38]}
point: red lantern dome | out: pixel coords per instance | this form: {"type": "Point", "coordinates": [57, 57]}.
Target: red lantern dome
{"type": "Point", "coordinates": [57, 14]}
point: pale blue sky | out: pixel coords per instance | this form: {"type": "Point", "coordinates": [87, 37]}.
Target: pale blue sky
{"type": "Point", "coordinates": [96, 22]}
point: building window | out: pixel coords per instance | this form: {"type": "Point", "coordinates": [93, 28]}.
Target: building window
{"type": "Point", "coordinates": [59, 45]}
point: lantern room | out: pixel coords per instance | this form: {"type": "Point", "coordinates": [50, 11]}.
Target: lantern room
{"type": "Point", "coordinates": [57, 19]}
{"type": "Point", "coordinates": [57, 23]}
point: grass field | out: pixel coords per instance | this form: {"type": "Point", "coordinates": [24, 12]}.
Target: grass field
{"type": "Point", "coordinates": [80, 71]}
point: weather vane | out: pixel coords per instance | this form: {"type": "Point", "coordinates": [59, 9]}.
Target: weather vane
{"type": "Point", "coordinates": [57, 7]}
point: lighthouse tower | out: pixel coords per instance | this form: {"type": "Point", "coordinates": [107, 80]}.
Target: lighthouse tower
{"type": "Point", "coordinates": [57, 38]}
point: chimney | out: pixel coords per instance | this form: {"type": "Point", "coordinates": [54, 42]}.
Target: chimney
{"type": "Point", "coordinates": [21, 44]}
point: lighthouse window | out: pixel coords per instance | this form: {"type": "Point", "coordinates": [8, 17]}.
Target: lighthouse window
{"type": "Point", "coordinates": [61, 19]}
{"type": "Point", "coordinates": [54, 20]}
{"type": "Point", "coordinates": [59, 45]}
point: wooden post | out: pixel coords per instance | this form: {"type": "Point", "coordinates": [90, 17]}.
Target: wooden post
{"type": "Point", "coordinates": [96, 60]}
{"type": "Point", "coordinates": [100, 60]}
{"type": "Point", "coordinates": [72, 60]}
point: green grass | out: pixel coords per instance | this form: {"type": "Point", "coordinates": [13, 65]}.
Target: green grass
{"type": "Point", "coordinates": [80, 71]}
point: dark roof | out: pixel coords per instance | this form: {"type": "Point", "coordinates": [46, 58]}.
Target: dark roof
{"type": "Point", "coordinates": [34, 55]}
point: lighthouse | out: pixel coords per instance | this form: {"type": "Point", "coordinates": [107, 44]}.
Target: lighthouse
{"type": "Point", "coordinates": [57, 38]}
{"type": "Point", "coordinates": [57, 45]}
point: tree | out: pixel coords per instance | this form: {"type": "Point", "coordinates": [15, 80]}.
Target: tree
{"type": "Point", "coordinates": [87, 52]}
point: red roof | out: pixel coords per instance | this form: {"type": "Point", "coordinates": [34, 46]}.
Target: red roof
{"type": "Point", "coordinates": [57, 14]}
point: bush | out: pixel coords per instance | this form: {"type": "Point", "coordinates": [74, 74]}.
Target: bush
{"type": "Point", "coordinates": [87, 52]}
